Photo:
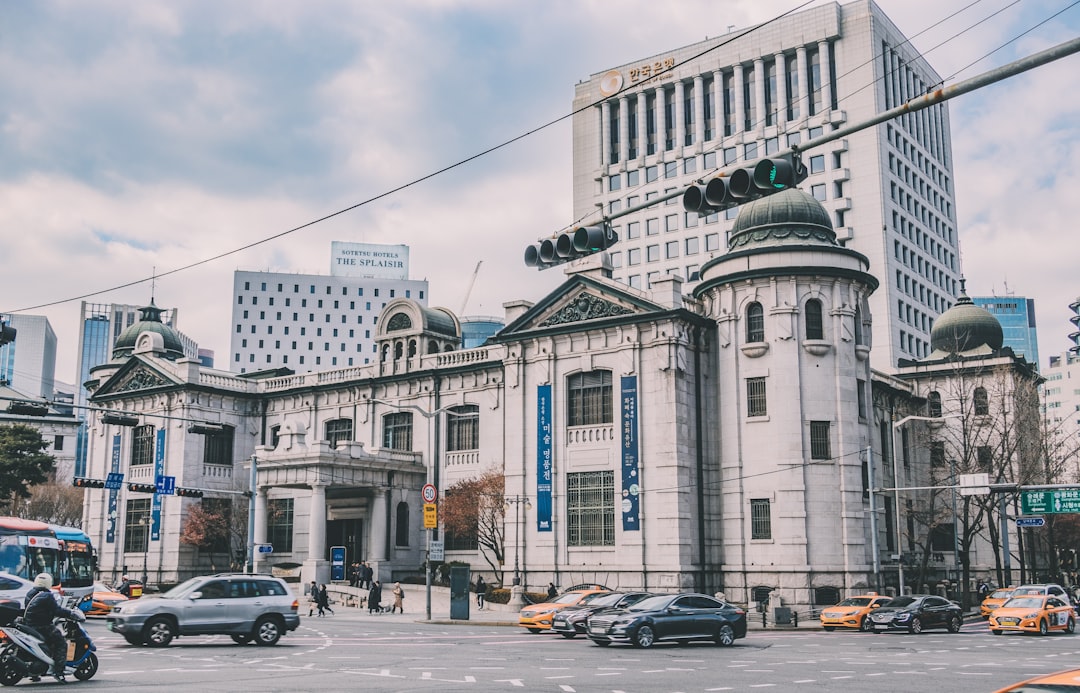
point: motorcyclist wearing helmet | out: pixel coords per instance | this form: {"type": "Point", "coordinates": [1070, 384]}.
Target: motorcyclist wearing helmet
{"type": "Point", "coordinates": [40, 610]}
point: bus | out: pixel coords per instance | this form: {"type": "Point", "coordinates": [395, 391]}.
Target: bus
{"type": "Point", "coordinates": [77, 561]}
{"type": "Point", "coordinates": [28, 547]}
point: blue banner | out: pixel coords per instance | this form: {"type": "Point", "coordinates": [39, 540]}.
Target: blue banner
{"type": "Point", "coordinates": [159, 471]}
{"type": "Point", "coordinates": [543, 458]}
{"type": "Point", "coordinates": [110, 529]}
{"type": "Point", "coordinates": [630, 487]}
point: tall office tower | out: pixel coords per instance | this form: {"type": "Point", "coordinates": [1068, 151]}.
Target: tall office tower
{"type": "Point", "coordinates": [309, 322]}
{"type": "Point", "coordinates": [101, 324]}
{"type": "Point", "coordinates": [657, 124]}
{"type": "Point", "coordinates": [1017, 317]}
{"type": "Point", "coordinates": [1061, 391]}
{"type": "Point", "coordinates": [28, 364]}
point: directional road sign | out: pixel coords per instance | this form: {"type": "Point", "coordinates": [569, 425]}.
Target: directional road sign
{"type": "Point", "coordinates": [265, 548]}
{"type": "Point", "coordinates": [115, 481]}
{"type": "Point", "coordinates": [166, 485]}
{"type": "Point", "coordinates": [436, 552]}
{"type": "Point", "coordinates": [1030, 521]}
{"type": "Point", "coordinates": [1059, 500]}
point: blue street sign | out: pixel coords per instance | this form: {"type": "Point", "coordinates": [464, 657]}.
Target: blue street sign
{"type": "Point", "coordinates": [265, 548]}
{"type": "Point", "coordinates": [166, 485]}
{"type": "Point", "coordinates": [1030, 521]}
{"type": "Point", "coordinates": [114, 481]}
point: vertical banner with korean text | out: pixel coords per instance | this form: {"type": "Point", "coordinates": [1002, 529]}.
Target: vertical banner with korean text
{"type": "Point", "coordinates": [159, 471]}
{"type": "Point", "coordinates": [110, 528]}
{"type": "Point", "coordinates": [543, 458]}
{"type": "Point", "coordinates": [630, 486]}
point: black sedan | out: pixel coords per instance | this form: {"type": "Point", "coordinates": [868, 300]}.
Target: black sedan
{"type": "Point", "coordinates": [917, 612]}
{"type": "Point", "coordinates": [673, 617]}
{"type": "Point", "coordinates": [571, 622]}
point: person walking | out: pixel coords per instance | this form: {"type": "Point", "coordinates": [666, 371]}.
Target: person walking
{"type": "Point", "coordinates": [366, 575]}
{"type": "Point", "coordinates": [552, 592]}
{"type": "Point", "coordinates": [313, 598]}
{"type": "Point", "coordinates": [324, 601]}
{"type": "Point", "coordinates": [481, 592]}
{"type": "Point", "coordinates": [374, 597]}
{"type": "Point", "coordinates": [399, 598]}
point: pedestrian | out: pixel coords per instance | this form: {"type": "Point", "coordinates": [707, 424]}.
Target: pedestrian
{"type": "Point", "coordinates": [324, 600]}
{"type": "Point", "coordinates": [552, 592]}
{"type": "Point", "coordinates": [481, 592]}
{"type": "Point", "coordinates": [399, 598]}
{"type": "Point", "coordinates": [374, 597]}
{"type": "Point", "coordinates": [313, 597]}
{"type": "Point", "coordinates": [366, 575]}
{"type": "Point", "coordinates": [354, 574]}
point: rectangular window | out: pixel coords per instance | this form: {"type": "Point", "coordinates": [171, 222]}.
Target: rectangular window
{"type": "Point", "coordinates": [819, 441]}
{"type": "Point", "coordinates": [589, 398]}
{"type": "Point", "coordinates": [339, 431]}
{"type": "Point", "coordinates": [652, 227]}
{"type": "Point", "coordinates": [712, 242]}
{"type": "Point", "coordinates": [218, 446]}
{"type": "Point", "coordinates": [817, 164]}
{"type": "Point", "coordinates": [689, 165]}
{"type": "Point", "coordinates": [463, 428]}
{"type": "Point", "coordinates": [397, 431]}
{"type": "Point", "coordinates": [861, 395]}
{"type": "Point", "coordinates": [937, 453]}
{"type": "Point", "coordinates": [590, 508]}
{"type": "Point", "coordinates": [137, 526]}
{"type": "Point", "coordinates": [279, 524]}
{"type": "Point", "coordinates": [652, 173]}
{"type": "Point", "coordinates": [671, 222]}
{"type": "Point", "coordinates": [58, 443]}
{"type": "Point", "coordinates": [756, 404]}
{"type": "Point", "coordinates": [652, 253]}
{"type": "Point", "coordinates": [671, 169]}
{"type": "Point", "coordinates": [633, 230]}
{"type": "Point", "coordinates": [760, 518]}
{"type": "Point", "coordinates": [692, 245]}
{"type": "Point", "coordinates": [614, 183]}
{"type": "Point", "coordinates": [633, 178]}
{"type": "Point", "coordinates": [985, 456]}
{"type": "Point", "coordinates": [142, 445]}
{"type": "Point", "coordinates": [633, 257]}
{"type": "Point", "coordinates": [671, 249]}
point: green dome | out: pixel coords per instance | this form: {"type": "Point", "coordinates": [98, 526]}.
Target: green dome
{"type": "Point", "coordinates": [789, 217]}
{"type": "Point", "coordinates": [964, 327]}
{"type": "Point", "coordinates": [149, 321]}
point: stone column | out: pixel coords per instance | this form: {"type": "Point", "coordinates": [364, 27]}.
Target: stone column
{"type": "Point", "coordinates": [826, 84]}
{"type": "Point", "coordinates": [624, 129]}
{"type": "Point", "coordinates": [740, 106]}
{"type": "Point", "coordinates": [781, 90]}
{"type": "Point", "coordinates": [759, 95]}
{"type": "Point", "coordinates": [699, 112]}
{"type": "Point", "coordinates": [315, 566]}
{"type": "Point", "coordinates": [377, 533]}
{"type": "Point", "coordinates": [661, 120]}
{"type": "Point", "coordinates": [718, 105]}
{"type": "Point", "coordinates": [605, 133]}
{"type": "Point", "coordinates": [680, 115]}
{"type": "Point", "coordinates": [642, 126]}
{"type": "Point", "coordinates": [804, 84]}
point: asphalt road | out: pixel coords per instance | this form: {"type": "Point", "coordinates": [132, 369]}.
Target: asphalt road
{"type": "Point", "coordinates": [350, 651]}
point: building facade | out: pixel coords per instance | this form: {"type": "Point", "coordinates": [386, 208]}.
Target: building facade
{"type": "Point", "coordinates": [28, 364]}
{"type": "Point", "coordinates": [656, 125]}
{"type": "Point", "coordinates": [1017, 317]}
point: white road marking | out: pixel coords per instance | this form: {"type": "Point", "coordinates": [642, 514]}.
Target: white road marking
{"type": "Point", "coordinates": [512, 682]}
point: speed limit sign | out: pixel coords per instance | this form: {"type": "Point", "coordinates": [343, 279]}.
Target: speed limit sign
{"type": "Point", "coordinates": [429, 493]}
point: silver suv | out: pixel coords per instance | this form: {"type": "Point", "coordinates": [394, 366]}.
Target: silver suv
{"type": "Point", "coordinates": [248, 608]}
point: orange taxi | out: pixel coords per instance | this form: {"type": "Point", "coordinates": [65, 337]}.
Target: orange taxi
{"type": "Point", "coordinates": [1062, 681]}
{"type": "Point", "coordinates": [538, 617]}
{"type": "Point", "coordinates": [994, 600]}
{"type": "Point", "coordinates": [1033, 613]}
{"type": "Point", "coordinates": [852, 612]}
{"type": "Point", "coordinates": [103, 600]}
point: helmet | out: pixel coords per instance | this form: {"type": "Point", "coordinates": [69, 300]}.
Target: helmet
{"type": "Point", "coordinates": [43, 580]}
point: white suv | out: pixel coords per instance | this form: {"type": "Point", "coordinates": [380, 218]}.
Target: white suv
{"type": "Point", "coordinates": [249, 608]}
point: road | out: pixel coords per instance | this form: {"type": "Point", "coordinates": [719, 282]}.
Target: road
{"type": "Point", "coordinates": [397, 653]}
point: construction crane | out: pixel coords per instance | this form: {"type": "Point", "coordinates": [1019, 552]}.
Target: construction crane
{"type": "Point", "coordinates": [468, 291]}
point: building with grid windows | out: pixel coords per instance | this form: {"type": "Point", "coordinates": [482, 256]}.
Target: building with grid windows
{"type": "Point", "coordinates": [657, 124]}
{"type": "Point", "coordinates": [1017, 317]}
{"type": "Point", "coordinates": [28, 364]}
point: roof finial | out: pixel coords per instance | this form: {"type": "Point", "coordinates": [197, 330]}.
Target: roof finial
{"type": "Point", "coordinates": [153, 284]}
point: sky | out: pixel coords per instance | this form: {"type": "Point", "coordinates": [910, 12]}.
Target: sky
{"type": "Point", "coordinates": [141, 136]}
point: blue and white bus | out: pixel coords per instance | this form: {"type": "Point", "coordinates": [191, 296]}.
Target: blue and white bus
{"type": "Point", "coordinates": [28, 547]}
{"type": "Point", "coordinates": [77, 561]}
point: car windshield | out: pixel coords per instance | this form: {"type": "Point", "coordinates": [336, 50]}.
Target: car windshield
{"type": "Point", "coordinates": [901, 601]}
{"type": "Point", "coordinates": [1028, 590]}
{"type": "Point", "coordinates": [652, 603]}
{"type": "Point", "coordinates": [1024, 603]}
{"type": "Point", "coordinates": [1001, 594]}
{"type": "Point", "coordinates": [605, 599]}
{"type": "Point", "coordinates": [856, 601]}
{"type": "Point", "coordinates": [592, 598]}
{"type": "Point", "coordinates": [182, 589]}
{"type": "Point", "coordinates": [568, 598]}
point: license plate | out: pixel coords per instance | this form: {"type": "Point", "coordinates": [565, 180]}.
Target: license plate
{"type": "Point", "coordinates": [1010, 621]}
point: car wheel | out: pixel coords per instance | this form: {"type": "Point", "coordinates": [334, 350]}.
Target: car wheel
{"type": "Point", "coordinates": [1043, 629]}
{"type": "Point", "coordinates": [133, 639]}
{"type": "Point", "coordinates": [568, 636]}
{"type": "Point", "coordinates": [267, 631]}
{"type": "Point", "coordinates": [240, 639]}
{"type": "Point", "coordinates": [534, 631]}
{"type": "Point", "coordinates": [725, 636]}
{"type": "Point", "coordinates": [1070, 626]}
{"type": "Point", "coordinates": [829, 629]}
{"type": "Point", "coordinates": [995, 632]}
{"type": "Point", "coordinates": [866, 625]}
{"type": "Point", "coordinates": [954, 624]}
{"type": "Point", "coordinates": [86, 670]}
{"type": "Point", "coordinates": [916, 626]}
{"type": "Point", "coordinates": [159, 632]}
{"type": "Point", "coordinates": [645, 636]}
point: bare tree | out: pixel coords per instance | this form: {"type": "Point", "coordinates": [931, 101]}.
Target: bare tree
{"type": "Point", "coordinates": [58, 504]}
{"type": "Point", "coordinates": [473, 512]}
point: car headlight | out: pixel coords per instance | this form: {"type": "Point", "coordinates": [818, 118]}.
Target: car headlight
{"type": "Point", "coordinates": [903, 616]}
{"type": "Point", "coordinates": [1033, 614]}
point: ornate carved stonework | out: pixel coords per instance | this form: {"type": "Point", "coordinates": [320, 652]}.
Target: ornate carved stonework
{"type": "Point", "coordinates": [584, 307]}
{"type": "Point", "coordinates": [141, 379]}
{"type": "Point", "coordinates": [398, 321]}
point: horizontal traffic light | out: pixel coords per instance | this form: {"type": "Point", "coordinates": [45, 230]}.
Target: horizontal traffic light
{"type": "Point", "coordinates": [119, 419]}
{"type": "Point", "coordinates": [142, 488]}
{"type": "Point", "coordinates": [765, 177]}
{"type": "Point", "coordinates": [83, 482]}
{"type": "Point", "coordinates": [189, 492]}
{"type": "Point", "coordinates": [571, 245]}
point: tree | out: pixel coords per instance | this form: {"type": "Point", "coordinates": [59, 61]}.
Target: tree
{"type": "Point", "coordinates": [58, 504]}
{"type": "Point", "coordinates": [23, 462]}
{"type": "Point", "coordinates": [473, 510]}
{"type": "Point", "coordinates": [206, 528]}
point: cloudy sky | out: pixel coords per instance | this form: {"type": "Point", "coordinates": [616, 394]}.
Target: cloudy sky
{"type": "Point", "coordinates": [140, 136]}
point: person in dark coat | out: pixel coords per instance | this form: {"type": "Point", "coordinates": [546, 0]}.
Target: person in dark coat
{"type": "Point", "coordinates": [374, 597]}
{"type": "Point", "coordinates": [313, 598]}
{"type": "Point", "coordinates": [481, 592]}
{"type": "Point", "coordinates": [366, 574]}
{"type": "Point", "coordinates": [40, 609]}
{"type": "Point", "coordinates": [552, 592]}
{"type": "Point", "coordinates": [322, 599]}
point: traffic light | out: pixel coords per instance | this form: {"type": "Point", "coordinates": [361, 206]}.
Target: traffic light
{"type": "Point", "coordinates": [765, 177]}
{"type": "Point", "coordinates": [119, 419]}
{"type": "Point", "coordinates": [24, 408]}
{"type": "Point", "coordinates": [7, 333]}
{"type": "Point", "coordinates": [83, 482]}
{"type": "Point", "coordinates": [189, 492]}
{"type": "Point", "coordinates": [142, 488]}
{"type": "Point", "coordinates": [578, 243]}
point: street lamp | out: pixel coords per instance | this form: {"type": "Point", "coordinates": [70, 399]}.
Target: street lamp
{"type": "Point", "coordinates": [144, 522]}
{"type": "Point", "coordinates": [517, 502]}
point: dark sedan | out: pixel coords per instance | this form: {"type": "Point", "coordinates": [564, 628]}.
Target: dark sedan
{"type": "Point", "coordinates": [917, 612]}
{"type": "Point", "coordinates": [571, 622]}
{"type": "Point", "coordinates": [672, 617]}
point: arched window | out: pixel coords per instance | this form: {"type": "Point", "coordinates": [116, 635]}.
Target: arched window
{"type": "Point", "coordinates": [401, 526]}
{"type": "Point", "coordinates": [412, 348]}
{"type": "Point", "coordinates": [385, 351]}
{"type": "Point", "coordinates": [755, 323]}
{"type": "Point", "coordinates": [398, 321]}
{"type": "Point", "coordinates": [399, 349]}
{"type": "Point", "coordinates": [588, 398]}
{"type": "Point", "coordinates": [432, 346]}
{"type": "Point", "coordinates": [463, 428]}
{"type": "Point", "coordinates": [826, 596]}
{"type": "Point", "coordinates": [933, 404]}
{"type": "Point", "coordinates": [815, 327]}
{"type": "Point", "coordinates": [982, 402]}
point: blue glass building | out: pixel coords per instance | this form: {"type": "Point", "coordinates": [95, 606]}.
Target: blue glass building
{"type": "Point", "coordinates": [1017, 317]}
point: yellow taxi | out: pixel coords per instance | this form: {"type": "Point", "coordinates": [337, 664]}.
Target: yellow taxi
{"type": "Point", "coordinates": [1033, 613]}
{"type": "Point", "coordinates": [1062, 681]}
{"type": "Point", "coordinates": [852, 612]}
{"type": "Point", "coordinates": [994, 600]}
{"type": "Point", "coordinates": [538, 617]}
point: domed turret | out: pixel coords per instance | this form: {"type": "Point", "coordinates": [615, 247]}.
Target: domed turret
{"type": "Point", "coordinates": [149, 321]}
{"type": "Point", "coordinates": [790, 217]}
{"type": "Point", "coordinates": [965, 327]}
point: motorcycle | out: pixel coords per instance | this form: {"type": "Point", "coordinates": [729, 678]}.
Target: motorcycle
{"type": "Point", "coordinates": [26, 655]}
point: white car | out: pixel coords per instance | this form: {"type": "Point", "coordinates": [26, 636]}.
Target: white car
{"type": "Point", "coordinates": [14, 587]}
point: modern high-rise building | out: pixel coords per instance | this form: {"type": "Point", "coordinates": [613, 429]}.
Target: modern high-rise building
{"type": "Point", "coordinates": [658, 124]}
{"type": "Point", "coordinates": [1017, 317]}
{"type": "Point", "coordinates": [309, 322]}
{"type": "Point", "coordinates": [28, 364]}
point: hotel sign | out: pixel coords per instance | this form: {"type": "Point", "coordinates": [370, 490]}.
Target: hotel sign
{"type": "Point", "coordinates": [369, 260]}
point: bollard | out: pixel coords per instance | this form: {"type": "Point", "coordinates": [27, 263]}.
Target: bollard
{"type": "Point", "coordinates": [795, 618]}
{"type": "Point", "coordinates": [763, 624]}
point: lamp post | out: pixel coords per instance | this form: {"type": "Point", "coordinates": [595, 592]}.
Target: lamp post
{"type": "Point", "coordinates": [144, 522]}
{"type": "Point", "coordinates": [517, 502]}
